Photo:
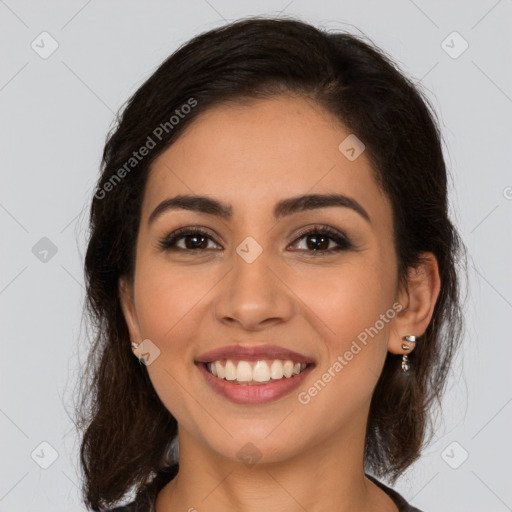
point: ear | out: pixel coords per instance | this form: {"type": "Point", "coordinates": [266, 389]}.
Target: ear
{"type": "Point", "coordinates": [126, 297]}
{"type": "Point", "coordinates": [418, 296]}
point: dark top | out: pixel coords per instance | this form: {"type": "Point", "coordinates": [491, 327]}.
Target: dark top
{"type": "Point", "coordinates": [146, 499]}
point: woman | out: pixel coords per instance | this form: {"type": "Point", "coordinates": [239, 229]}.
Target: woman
{"type": "Point", "coordinates": [272, 273]}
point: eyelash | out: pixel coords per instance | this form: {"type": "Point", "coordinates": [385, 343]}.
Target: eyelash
{"type": "Point", "coordinates": [168, 242]}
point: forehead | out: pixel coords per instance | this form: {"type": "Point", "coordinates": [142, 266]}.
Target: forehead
{"type": "Point", "coordinates": [254, 153]}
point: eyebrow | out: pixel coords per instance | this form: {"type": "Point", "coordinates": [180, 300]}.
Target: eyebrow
{"type": "Point", "coordinates": [283, 208]}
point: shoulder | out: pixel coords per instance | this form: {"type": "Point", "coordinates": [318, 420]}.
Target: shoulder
{"type": "Point", "coordinates": [400, 501]}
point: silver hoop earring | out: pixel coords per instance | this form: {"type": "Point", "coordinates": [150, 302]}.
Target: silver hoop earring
{"type": "Point", "coordinates": [405, 360]}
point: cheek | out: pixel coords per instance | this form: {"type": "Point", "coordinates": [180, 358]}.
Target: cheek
{"type": "Point", "coordinates": [353, 310]}
{"type": "Point", "coordinates": [346, 299]}
{"type": "Point", "coordinates": [169, 307]}
{"type": "Point", "coordinates": [166, 297]}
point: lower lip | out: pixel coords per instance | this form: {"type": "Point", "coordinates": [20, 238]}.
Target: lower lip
{"type": "Point", "coordinates": [257, 394]}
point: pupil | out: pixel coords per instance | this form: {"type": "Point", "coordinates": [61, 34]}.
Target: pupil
{"type": "Point", "coordinates": [194, 244]}
{"type": "Point", "coordinates": [318, 240]}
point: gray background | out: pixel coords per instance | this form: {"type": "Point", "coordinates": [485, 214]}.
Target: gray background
{"type": "Point", "coordinates": [55, 113]}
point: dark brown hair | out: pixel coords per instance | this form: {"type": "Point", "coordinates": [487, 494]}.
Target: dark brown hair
{"type": "Point", "coordinates": [126, 428]}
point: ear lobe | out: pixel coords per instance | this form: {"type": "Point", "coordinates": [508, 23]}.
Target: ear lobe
{"type": "Point", "coordinates": [418, 297]}
{"type": "Point", "coordinates": [127, 301]}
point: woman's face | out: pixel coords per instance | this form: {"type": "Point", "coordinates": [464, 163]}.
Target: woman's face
{"type": "Point", "coordinates": [253, 280]}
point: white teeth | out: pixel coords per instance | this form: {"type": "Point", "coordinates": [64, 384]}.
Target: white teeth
{"type": "Point", "coordinates": [243, 372]}
{"type": "Point", "coordinates": [261, 372]}
{"type": "Point", "coordinates": [230, 370]}
{"type": "Point", "coordinates": [220, 372]}
{"type": "Point", "coordinates": [256, 371]}
{"type": "Point", "coordinates": [276, 370]}
{"type": "Point", "coordinates": [213, 368]}
{"type": "Point", "coordinates": [288, 369]}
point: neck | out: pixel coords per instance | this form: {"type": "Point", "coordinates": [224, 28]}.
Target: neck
{"type": "Point", "coordinates": [329, 476]}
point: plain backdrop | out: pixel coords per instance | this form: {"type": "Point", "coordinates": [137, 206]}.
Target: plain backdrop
{"type": "Point", "coordinates": [56, 109]}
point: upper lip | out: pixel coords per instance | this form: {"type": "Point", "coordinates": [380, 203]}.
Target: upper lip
{"type": "Point", "coordinates": [252, 353]}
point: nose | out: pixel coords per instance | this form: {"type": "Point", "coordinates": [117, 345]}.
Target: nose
{"type": "Point", "coordinates": [254, 295]}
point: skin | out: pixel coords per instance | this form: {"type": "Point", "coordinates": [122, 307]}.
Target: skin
{"type": "Point", "coordinates": [251, 156]}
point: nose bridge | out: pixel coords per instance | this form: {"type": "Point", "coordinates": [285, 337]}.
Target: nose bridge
{"type": "Point", "coordinates": [252, 267]}
{"type": "Point", "coordinates": [253, 294]}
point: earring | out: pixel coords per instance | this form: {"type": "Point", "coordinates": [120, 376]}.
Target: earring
{"type": "Point", "coordinates": [136, 347]}
{"type": "Point", "coordinates": [405, 360]}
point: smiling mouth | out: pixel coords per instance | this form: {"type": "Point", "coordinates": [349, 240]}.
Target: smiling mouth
{"type": "Point", "coordinates": [255, 373]}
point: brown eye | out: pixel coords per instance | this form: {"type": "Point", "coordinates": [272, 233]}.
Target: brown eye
{"type": "Point", "coordinates": [317, 240]}
{"type": "Point", "coordinates": [320, 240]}
{"type": "Point", "coordinates": [194, 239]}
